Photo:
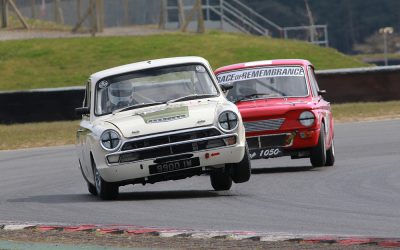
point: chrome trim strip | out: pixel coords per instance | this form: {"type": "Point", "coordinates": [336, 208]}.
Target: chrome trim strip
{"type": "Point", "coordinates": [138, 138]}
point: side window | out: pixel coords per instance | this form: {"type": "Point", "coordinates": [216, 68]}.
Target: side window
{"type": "Point", "coordinates": [313, 81]}
{"type": "Point", "coordinates": [86, 101]}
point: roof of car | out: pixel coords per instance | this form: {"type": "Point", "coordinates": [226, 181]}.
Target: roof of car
{"type": "Point", "coordinates": [148, 64]}
{"type": "Point", "coordinates": [263, 63]}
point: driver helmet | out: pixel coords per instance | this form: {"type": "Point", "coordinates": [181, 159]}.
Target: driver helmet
{"type": "Point", "coordinates": [120, 93]}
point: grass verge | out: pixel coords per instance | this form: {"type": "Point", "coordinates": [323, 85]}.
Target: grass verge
{"type": "Point", "coordinates": [62, 133]}
{"type": "Point", "coordinates": [47, 63]}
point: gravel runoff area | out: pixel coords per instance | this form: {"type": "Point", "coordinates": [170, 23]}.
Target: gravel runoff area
{"type": "Point", "coordinates": [20, 34]}
{"type": "Point", "coordinates": [112, 237]}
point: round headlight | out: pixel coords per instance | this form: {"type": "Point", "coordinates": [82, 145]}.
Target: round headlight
{"type": "Point", "coordinates": [228, 120]}
{"type": "Point", "coordinates": [110, 139]}
{"type": "Point", "coordinates": [307, 118]}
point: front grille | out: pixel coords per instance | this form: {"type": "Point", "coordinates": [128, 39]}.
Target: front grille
{"type": "Point", "coordinates": [264, 125]}
{"type": "Point", "coordinates": [268, 141]}
{"type": "Point", "coordinates": [170, 138]}
{"type": "Point", "coordinates": [171, 144]}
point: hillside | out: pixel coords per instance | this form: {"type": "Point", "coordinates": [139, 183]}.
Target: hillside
{"type": "Point", "coordinates": [47, 63]}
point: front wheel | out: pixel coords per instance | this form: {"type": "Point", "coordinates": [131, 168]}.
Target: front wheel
{"type": "Point", "coordinates": [241, 172]}
{"type": "Point", "coordinates": [104, 190]}
{"type": "Point", "coordinates": [330, 155]}
{"type": "Point", "coordinates": [318, 153]}
{"type": "Point", "coordinates": [220, 180]}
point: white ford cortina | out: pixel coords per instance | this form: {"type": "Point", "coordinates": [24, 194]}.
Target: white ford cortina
{"type": "Point", "coordinates": [159, 120]}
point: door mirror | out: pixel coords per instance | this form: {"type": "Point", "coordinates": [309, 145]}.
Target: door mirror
{"type": "Point", "coordinates": [82, 111]}
{"type": "Point", "coordinates": [322, 92]}
{"type": "Point", "coordinates": [226, 86]}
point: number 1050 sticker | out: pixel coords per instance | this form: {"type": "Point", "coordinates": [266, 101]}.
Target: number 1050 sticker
{"type": "Point", "coordinates": [265, 153]}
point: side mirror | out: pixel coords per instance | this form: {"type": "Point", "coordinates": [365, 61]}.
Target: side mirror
{"type": "Point", "coordinates": [82, 111]}
{"type": "Point", "coordinates": [322, 92]}
{"type": "Point", "coordinates": [226, 86]}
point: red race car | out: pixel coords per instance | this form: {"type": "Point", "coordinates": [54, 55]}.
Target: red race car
{"type": "Point", "coordinates": [283, 110]}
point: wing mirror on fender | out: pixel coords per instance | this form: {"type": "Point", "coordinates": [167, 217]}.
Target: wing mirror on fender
{"type": "Point", "coordinates": [226, 86]}
{"type": "Point", "coordinates": [82, 111]}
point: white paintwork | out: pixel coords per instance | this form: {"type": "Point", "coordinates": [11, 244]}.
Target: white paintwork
{"type": "Point", "coordinates": [129, 124]}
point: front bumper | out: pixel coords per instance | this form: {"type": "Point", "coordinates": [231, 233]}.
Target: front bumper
{"type": "Point", "coordinates": [286, 140]}
{"type": "Point", "coordinates": [141, 169]}
{"type": "Point", "coordinates": [132, 161]}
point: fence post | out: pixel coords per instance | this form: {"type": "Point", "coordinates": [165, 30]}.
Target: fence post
{"type": "Point", "coordinates": [92, 18]}
{"type": "Point", "coordinates": [99, 15]}
{"type": "Point", "coordinates": [57, 12]}
{"type": "Point", "coordinates": [126, 12]}
{"type": "Point", "coordinates": [33, 9]}
{"type": "Point", "coordinates": [4, 13]}
{"type": "Point", "coordinates": [181, 11]}
{"type": "Point", "coordinates": [200, 17]}
{"type": "Point", "coordinates": [79, 9]}
{"type": "Point", "coordinates": [221, 8]}
{"type": "Point", "coordinates": [163, 17]}
{"type": "Point", "coordinates": [18, 13]}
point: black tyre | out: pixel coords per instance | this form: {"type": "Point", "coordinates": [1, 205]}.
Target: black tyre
{"type": "Point", "coordinates": [104, 190]}
{"type": "Point", "coordinates": [91, 188]}
{"type": "Point", "coordinates": [220, 180]}
{"type": "Point", "coordinates": [330, 155]}
{"type": "Point", "coordinates": [318, 154]}
{"type": "Point", "coordinates": [241, 172]}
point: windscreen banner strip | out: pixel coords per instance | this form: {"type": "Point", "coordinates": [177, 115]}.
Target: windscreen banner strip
{"type": "Point", "coordinates": [255, 73]}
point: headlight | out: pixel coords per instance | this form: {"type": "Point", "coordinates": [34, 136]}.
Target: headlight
{"type": "Point", "coordinates": [307, 118]}
{"type": "Point", "coordinates": [110, 140]}
{"type": "Point", "coordinates": [228, 120]}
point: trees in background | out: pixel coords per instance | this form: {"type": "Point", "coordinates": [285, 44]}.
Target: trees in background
{"type": "Point", "coordinates": [350, 22]}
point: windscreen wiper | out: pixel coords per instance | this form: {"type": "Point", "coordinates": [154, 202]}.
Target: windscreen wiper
{"type": "Point", "coordinates": [242, 98]}
{"type": "Point", "coordinates": [191, 97]}
{"type": "Point", "coordinates": [135, 106]}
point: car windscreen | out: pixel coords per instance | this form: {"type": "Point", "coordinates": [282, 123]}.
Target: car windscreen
{"type": "Point", "coordinates": [265, 82]}
{"type": "Point", "coordinates": [152, 86]}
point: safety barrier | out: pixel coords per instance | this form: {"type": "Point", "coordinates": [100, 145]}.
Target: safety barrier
{"type": "Point", "coordinates": [344, 85]}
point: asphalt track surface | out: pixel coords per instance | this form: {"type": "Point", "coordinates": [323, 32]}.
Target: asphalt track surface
{"type": "Point", "coordinates": [360, 195]}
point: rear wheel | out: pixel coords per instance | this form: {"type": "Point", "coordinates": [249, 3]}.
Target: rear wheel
{"type": "Point", "coordinates": [330, 155]}
{"type": "Point", "coordinates": [220, 180]}
{"type": "Point", "coordinates": [104, 190]}
{"type": "Point", "coordinates": [318, 153]}
{"type": "Point", "coordinates": [241, 172]}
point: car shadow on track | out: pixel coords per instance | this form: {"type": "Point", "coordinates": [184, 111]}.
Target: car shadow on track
{"type": "Point", "coordinates": [123, 196]}
{"type": "Point", "coordinates": [283, 170]}
{"type": "Point", "coordinates": [171, 195]}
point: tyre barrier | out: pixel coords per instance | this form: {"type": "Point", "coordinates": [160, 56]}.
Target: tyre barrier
{"type": "Point", "coordinates": [345, 85]}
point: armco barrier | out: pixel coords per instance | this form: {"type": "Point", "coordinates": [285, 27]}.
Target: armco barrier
{"type": "Point", "coordinates": [345, 85]}
{"type": "Point", "coordinates": [361, 84]}
{"type": "Point", "coordinates": [40, 105]}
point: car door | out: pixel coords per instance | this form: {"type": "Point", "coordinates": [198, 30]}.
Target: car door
{"type": "Point", "coordinates": [323, 106]}
{"type": "Point", "coordinates": [82, 133]}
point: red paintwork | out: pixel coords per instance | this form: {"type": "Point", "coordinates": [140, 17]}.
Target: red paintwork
{"type": "Point", "coordinates": [288, 108]}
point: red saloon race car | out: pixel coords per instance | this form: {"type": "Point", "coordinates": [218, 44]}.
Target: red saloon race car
{"type": "Point", "coordinates": [283, 110]}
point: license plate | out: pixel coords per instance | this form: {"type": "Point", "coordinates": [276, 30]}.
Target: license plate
{"type": "Point", "coordinates": [264, 153]}
{"type": "Point", "coordinates": [174, 165]}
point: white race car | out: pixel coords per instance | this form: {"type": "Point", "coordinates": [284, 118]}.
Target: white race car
{"type": "Point", "coordinates": [159, 120]}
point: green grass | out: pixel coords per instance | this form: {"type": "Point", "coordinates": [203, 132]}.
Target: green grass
{"type": "Point", "coordinates": [46, 63]}
{"type": "Point", "coordinates": [37, 134]}
{"type": "Point", "coordinates": [366, 111]}
{"type": "Point", "coordinates": [62, 133]}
